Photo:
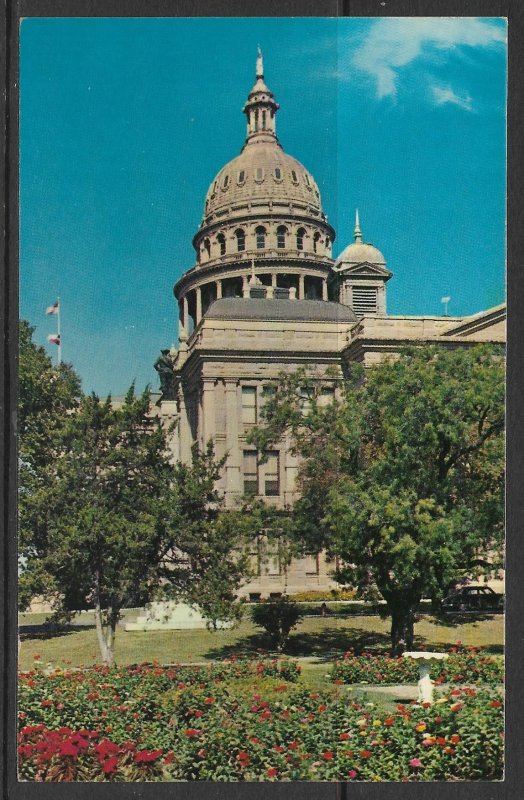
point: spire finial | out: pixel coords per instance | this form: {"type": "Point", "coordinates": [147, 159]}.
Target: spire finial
{"type": "Point", "coordinates": [357, 232]}
{"type": "Point", "coordinates": [260, 63]}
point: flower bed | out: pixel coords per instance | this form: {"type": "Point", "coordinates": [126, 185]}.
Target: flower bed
{"type": "Point", "coordinates": [464, 665]}
{"type": "Point", "coordinates": [244, 720]}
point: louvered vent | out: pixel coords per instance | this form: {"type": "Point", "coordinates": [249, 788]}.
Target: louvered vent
{"type": "Point", "coordinates": [364, 299]}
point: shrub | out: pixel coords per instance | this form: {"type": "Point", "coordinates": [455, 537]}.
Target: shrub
{"type": "Point", "coordinates": [323, 596]}
{"type": "Point", "coordinates": [278, 618]}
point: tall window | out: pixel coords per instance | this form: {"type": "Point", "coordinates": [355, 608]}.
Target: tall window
{"type": "Point", "coordinates": [207, 247]}
{"type": "Point", "coordinates": [272, 474]}
{"type": "Point", "coordinates": [241, 176]}
{"type": "Point", "coordinates": [256, 120]}
{"type": "Point", "coordinates": [259, 174]}
{"type": "Point", "coordinates": [226, 181]}
{"type": "Point", "coordinates": [281, 237]}
{"type": "Point", "coordinates": [241, 239]}
{"type": "Point", "coordinates": [261, 237]}
{"type": "Point", "coordinates": [294, 176]}
{"type": "Point", "coordinates": [249, 405]}
{"type": "Point", "coordinates": [316, 240]}
{"type": "Point", "coordinates": [278, 173]}
{"type": "Point", "coordinates": [300, 238]}
{"type": "Point", "coordinates": [263, 120]}
{"type": "Point", "coordinates": [250, 472]}
{"type": "Point", "coordinates": [221, 239]}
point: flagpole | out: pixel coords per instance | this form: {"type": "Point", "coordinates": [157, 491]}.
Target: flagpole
{"type": "Point", "coordinates": [59, 335]}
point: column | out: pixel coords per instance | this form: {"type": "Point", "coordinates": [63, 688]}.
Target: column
{"type": "Point", "coordinates": [324, 289]}
{"type": "Point", "coordinates": [301, 294]}
{"type": "Point", "coordinates": [233, 487]}
{"type": "Point", "coordinates": [198, 305]}
{"type": "Point", "coordinates": [208, 411]}
{"type": "Point", "coordinates": [184, 431]}
{"type": "Point", "coordinates": [219, 289]}
{"type": "Point", "coordinates": [245, 287]}
{"type": "Point", "coordinates": [273, 279]}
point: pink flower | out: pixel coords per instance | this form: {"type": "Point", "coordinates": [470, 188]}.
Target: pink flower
{"type": "Point", "coordinates": [352, 773]}
{"type": "Point", "coordinates": [415, 763]}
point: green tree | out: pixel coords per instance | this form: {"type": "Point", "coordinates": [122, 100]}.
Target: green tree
{"type": "Point", "coordinates": [115, 522]}
{"type": "Point", "coordinates": [204, 556]}
{"type": "Point", "coordinates": [47, 395]}
{"type": "Point", "coordinates": [403, 476]}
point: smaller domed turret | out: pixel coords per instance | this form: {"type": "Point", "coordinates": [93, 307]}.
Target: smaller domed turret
{"type": "Point", "coordinates": [361, 275]}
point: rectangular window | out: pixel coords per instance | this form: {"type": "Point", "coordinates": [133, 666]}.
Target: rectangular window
{"type": "Point", "coordinates": [273, 566]}
{"type": "Point", "coordinates": [272, 474]}
{"type": "Point", "coordinates": [312, 564]}
{"type": "Point", "coordinates": [250, 468]}
{"type": "Point", "coordinates": [327, 395]}
{"type": "Point", "coordinates": [306, 395]}
{"type": "Point", "coordinates": [364, 299]}
{"type": "Point", "coordinates": [249, 405]}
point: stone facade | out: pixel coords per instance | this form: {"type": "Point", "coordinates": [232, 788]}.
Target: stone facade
{"type": "Point", "coordinates": [264, 297]}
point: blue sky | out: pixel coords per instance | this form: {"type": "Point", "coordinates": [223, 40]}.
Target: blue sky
{"type": "Point", "coordinates": [125, 122]}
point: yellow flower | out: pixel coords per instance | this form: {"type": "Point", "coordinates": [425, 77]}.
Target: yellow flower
{"type": "Point", "coordinates": [363, 733]}
{"type": "Point", "coordinates": [421, 726]}
{"type": "Point", "coordinates": [377, 723]}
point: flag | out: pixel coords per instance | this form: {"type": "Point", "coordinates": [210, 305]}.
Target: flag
{"type": "Point", "coordinates": [54, 338]}
{"type": "Point", "coordinates": [54, 309]}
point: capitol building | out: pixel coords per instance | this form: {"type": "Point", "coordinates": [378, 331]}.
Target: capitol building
{"type": "Point", "coordinates": [266, 296]}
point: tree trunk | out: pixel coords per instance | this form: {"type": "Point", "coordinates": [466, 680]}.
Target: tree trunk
{"type": "Point", "coordinates": [402, 624]}
{"type": "Point", "coordinates": [105, 638]}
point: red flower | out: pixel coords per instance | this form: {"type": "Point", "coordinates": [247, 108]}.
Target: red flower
{"type": "Point", "coordinates": [416, 763]}
{"type": "Point", "coordinates": [328, 755]}
{"type": "Point", "coordinates": [266, 714]}
{"type": "Point", "coordinates": [145, 756]}
{"type": "Point", "coordinates": [169, 757]}
{"type": "Point", "coordinates": [209, 701]}
{"type": "Point", "coordinates": [366, 753]}
{"type": "Point", "coordinates": [344, 736]}
{"type": "Point", "coordinates": [322, 707]}
{"type": "Point", "coordinates": [352, 773]}
{"type": "Point", "coordinates": [455, 739]}
{"type": "Point", "coordinates": [449, 750]}
{"type": "Point", "coordinates": [389, 721]}
{"type": "Point", "coordinates": [67, 748]}
{"type": "Point", "coordinates": [456, 706]}
{"type": "Point", "coordinates": [110, 765]}
{"type": "Point", "coordinates": [294, 745]}
{"type": "Point", "coordinates": [272, 771]}
{"type": "Point", "coordinates": [243, 757]}
{"type": "Point", "coordinates": [279, 748]}
{"type": "Point", "coordinates": [199, 713]}
{"type": "Point", "coordinates": [36, 657]}
{"type": "Point", "coordinates": [495, 704]}
{"type": "Point", "coordinates": [439, 719]}
{"type": "Point", "coordinates": [441, 740]}
{"type": "Point", "coordinates": [192, 732]}
{"type": "Point", "coordinates": [46, 703]}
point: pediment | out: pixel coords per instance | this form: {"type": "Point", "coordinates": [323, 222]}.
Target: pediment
{"type": "Point", "coordinates": [365, 269]}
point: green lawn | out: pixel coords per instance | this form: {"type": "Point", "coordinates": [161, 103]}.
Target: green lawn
{"type": "Point", "coordinates": [315, 641]}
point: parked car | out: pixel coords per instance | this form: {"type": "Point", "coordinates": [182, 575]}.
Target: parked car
{"type": "Point", "coordinates": [473, 599]}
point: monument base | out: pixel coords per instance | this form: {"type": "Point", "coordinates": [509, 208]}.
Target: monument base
{"type": "Point", "coordinates": [171, 616]}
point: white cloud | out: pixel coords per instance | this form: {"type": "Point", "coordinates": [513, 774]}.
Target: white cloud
{"type": "Point", "coordinates": [392, 43]}
{"type": "Point", "coordinates": [445, 94]}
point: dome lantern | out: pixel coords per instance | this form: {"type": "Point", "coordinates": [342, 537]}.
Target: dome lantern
{"type": "Point", "coordinates": [260, 109]}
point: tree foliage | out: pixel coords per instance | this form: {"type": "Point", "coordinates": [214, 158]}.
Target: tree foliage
{"type": "Point", "coordinates": [402, 476]}
{"type": "Point", "coordinates": [105, 518]}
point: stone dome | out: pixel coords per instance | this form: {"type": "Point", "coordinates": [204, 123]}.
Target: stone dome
{"type": "Point", "coordinates": [358, 252]}
{"type": "Point", "coordinates": [262, 172]}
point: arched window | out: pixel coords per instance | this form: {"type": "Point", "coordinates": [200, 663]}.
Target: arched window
{"type": "Point", "coordinates": [207, 247]}
{"type": "Point", "coordinates": [241, 176]}
{"type": "Point", "coordinates": [221, 239]}
{"type": "Point", "coordinates": [294, 176]}
{"type": "Point", "coordinates": [281, 237]}
{"type": "Point", "coordinates": [328, 244]}
{"type": "Point", "coordinates": [306, 178]}
{"type": "Point", "coordinates": [263, 120]}
{"type": "Point", "coordinates": [241, 239]}
{"type": "Point", "coordinates": [278, 174]}
{"type": "Point", "coordinates": [256, 120]}
{"type": "Point", "coordinates": [300, 238]}
{"type": "Point", "coordinates": [316, 240]}
{"type": "Point", "coordinates": [261, 237]}
{"type": "Point", "coordinates": [226, 181]}
{"type": "Point", "coordinates": [259, 174]}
